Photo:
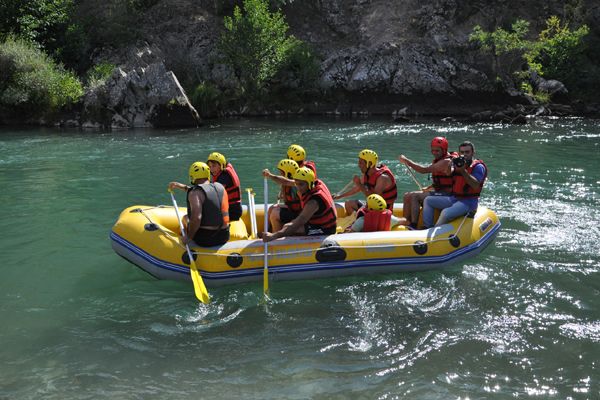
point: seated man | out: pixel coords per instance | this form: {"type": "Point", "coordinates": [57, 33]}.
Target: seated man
{"type": "Point", "coordinates": [375, 217]}
{"type": "Point", "coordinates": [376, 179]}
{"type": "Point", "coordinates": [207, 208]}
{"type": "Point", "coordinates": [224, 173]}
{"type": "Point", "coordinates": [297, 153]}
{"type": "Point", "coordinates": [280, 214]}
{"type": "Point", "coordinates": [468, 178]}
{"type": "Point", "coordinates": [318, 215]}
{"type": "Point", "coordinates": [441, 174]}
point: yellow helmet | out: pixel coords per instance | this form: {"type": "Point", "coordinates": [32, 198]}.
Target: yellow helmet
{"type": "Point", "coordinates": [305, 174]}
{"type": "Point", "coordinates": [288, 167]}
{"type": "Point", "coordinates": [376, 203]}
{"type": "Point", "coordinates": [199, 170]}
{"type": "Point", "coordinates": [219, 158]}
{"type": "Point", "coordinates": [296, 152]}
{"type": "Point", "coordinates": [369, 156]}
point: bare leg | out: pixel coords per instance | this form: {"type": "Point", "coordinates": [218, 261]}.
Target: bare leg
{"type": "Point", "coordinates": [406, 205]}
{"type": "Point", "coordinates": [351, 206]}
{"type": "Point", "coordinates": [274, 218]}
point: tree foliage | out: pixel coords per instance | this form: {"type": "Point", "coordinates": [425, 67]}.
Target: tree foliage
{"type": "Point", "coordinates": [32, 83]}
{"type": "Point", "coordinates": [555, 52]}
{"type": "Point", "coordinates": [255, 44]}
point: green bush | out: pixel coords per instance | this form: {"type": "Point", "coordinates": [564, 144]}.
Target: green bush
{"type": "Point", "coordinates": [33, 84]}
{"type": "Point", "coordinates": [98, 74]}
{"type": "Point", "coordinates": [207, 99]}
{"type": "Point", "coordinates": [556, 53]}
{"type": "Point", "coordinates": [255, 44]}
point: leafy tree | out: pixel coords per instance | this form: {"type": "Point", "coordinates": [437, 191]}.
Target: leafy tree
{"type": "Point", "coordinates": [32, 83]}
{"type": "Point", "coordinates": [555, 53]}
{"type": "Point", "coordinates": [255, 44]}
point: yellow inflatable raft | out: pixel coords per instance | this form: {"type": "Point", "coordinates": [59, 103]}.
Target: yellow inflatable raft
{"type": "Point", "coordinates": [149, 238]}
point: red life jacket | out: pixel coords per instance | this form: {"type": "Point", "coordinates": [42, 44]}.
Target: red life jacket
{"type": "Point", "coordinates": [233, 191]}
{"type": "Point", "coordinates": [390, 194]}
{"type": "Point", "coordinates": [441, 182]}
{"type": "Point", "coordinates": [291, 199]}
{"type": "Point", "coordinates": [327, 217]}
{"type": "Point", "coordinates": [375, 221]}
{"type": "Point", "coordinates": [309, 164]}
{"type": "Point", "coordinates": [460, 188]}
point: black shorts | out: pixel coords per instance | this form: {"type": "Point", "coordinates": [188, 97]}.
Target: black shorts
{"type": "Point", "coordinates": [315, 230]}
{"type": "Point", "coordinates": [286, 215]}
{"type": "Point", "coordinates": [235, 211]}
{"type": "Point", "coordinates": [209, 238]}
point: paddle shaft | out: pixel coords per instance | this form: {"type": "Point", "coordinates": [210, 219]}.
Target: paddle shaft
{"type": "Point", "coordinates": [266, 245]}
{"type": "Point", "coordinates": [199, 287]}
{"type": "Point", "coordinates": [413, 176]}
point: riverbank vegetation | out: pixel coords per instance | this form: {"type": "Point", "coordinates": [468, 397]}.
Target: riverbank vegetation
{"type": "Point", "coordinates": [557, 52]}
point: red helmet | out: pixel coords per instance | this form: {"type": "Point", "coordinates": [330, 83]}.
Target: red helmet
{"type": "Point", "coordinates": [440, 141]}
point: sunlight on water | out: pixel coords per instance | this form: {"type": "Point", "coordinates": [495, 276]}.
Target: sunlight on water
{"type": "Point", "coordinates": [520, 320]}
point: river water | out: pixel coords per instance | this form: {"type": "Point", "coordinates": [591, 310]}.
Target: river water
{"type": "Point", "coordinates": [78, 322]}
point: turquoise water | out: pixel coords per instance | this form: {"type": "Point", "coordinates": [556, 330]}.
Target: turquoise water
{"type": "Point", "coordinates": [78, 322]}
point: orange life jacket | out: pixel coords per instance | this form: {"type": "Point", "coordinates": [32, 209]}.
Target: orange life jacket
{"type": "Point", "coordinates": [442, 182]}
{"type": "Point", "coordinates": [291, 199]}
{"type": "Point", "coordinates": [390, 194]}
{"type": "Point", "coordinates": [327, 217]}
{"type": "Point", "coordinates": [233, 191]}
{"type": "Point", "coordinates": [460, 188]}
{"type": "Point", "coordinates": [375, 221]}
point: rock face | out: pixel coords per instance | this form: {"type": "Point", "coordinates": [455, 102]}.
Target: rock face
{"type": "Point", "coordinates": [385, 53]}
{"type": "Point", "coordinates": [143, 97]}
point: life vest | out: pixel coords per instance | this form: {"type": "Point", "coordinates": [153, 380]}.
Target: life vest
{"type": "Point", "coordinates": [291, 199]}
{"type": "Point", "coordinates": [461, 189]}
{"type": "Point", "coordinates": [390, 194]}
{"type": "Point", "coordinates": [215, 209]}
{"type": "Point", "coordinates": [327, 216]}
{"type": "Point", "coordinates": [375, 221]}
{"type": "Point", "coordinates": [441, 182]}
{"type": "Point", "coordinates": [309, 164]}
{"type": "Point", "coordinates": [233, 190]}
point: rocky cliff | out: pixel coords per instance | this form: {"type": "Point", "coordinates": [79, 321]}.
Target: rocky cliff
{"type": "Point", "coordinates": [376, 56]}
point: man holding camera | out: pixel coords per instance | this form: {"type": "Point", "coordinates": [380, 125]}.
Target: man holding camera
{"type": "Point", "coordinates": [468, 178]}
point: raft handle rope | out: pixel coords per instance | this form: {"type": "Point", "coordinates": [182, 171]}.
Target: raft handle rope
{"type": "Point", "coordinates": [307, 251]}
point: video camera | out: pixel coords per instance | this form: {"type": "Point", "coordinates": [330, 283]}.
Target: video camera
{"type": "Point", "coordinates": [459, 161]}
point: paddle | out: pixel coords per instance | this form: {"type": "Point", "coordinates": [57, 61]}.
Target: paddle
{"type": "Point", "coordinates": [199, 288]}
{"type": "Point", "coordinates": [414, 177]}
{"type": "Point", "coordinates": [266, 249]}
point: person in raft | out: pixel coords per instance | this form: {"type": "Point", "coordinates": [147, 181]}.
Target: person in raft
{"type": "Point", "coordinates": [441, 175]}
{"type": "Point", "coordinates": [207, 217]}
{"type": "Point", "coordinates": [376, 179]}
{"type": "Point", "coordinates": [224, 173]}
{"type": "Point", "coordinates": [374, 217]}
{"type": "Point", "coordinates": [318, 215]}
{"type": "Point", "coordinates": [296, 152]}
{"type": "Point", "coordinates": [468, 177]}
{"type": "Point", "coordinates": [280, 214]}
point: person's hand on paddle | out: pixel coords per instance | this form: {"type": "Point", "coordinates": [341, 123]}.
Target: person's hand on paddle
{"type": "Point", "coordinates": [177, 185]}
{"type": "Point", "coordinates": [266, 173]}
{"type": "Point", "coordinates": [402, 158]}
{"type": "Point", "coordinates": [267, 236]}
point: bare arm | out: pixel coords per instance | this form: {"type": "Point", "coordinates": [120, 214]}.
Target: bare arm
{"type": "Point", "coordinates": [422, 169]}
{"type": "Point", "coordinates": [292, 227]}
{"type": "Point", "coordinates": [281, 180]}
{"type": "Point", "coordinates": [470, 179]}
{"type": "Point", "coordinates": [355, 189]}
{"type": "Point", "coordinates": [177, 185]}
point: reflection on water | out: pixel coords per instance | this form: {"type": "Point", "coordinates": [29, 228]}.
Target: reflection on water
{"type": "Point", "coordinates": [520, 320]}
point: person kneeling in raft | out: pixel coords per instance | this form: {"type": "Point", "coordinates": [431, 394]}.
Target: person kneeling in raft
{"type": "Point", "coordinates": [318, 215]}
{"type": "Point", "coordinates": [207, 217]}
{"type": "Point", "coordinates": [280, 214]}
{"type": "Point", "coordinates": [374, 217]}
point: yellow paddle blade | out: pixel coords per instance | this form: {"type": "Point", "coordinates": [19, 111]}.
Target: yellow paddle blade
{"type": "Point", "coordinates": [345, 222]}
{"type": "Point", "coordinates": [199, 287]}
{"type": "Point", "coordinates": [266, 280]}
